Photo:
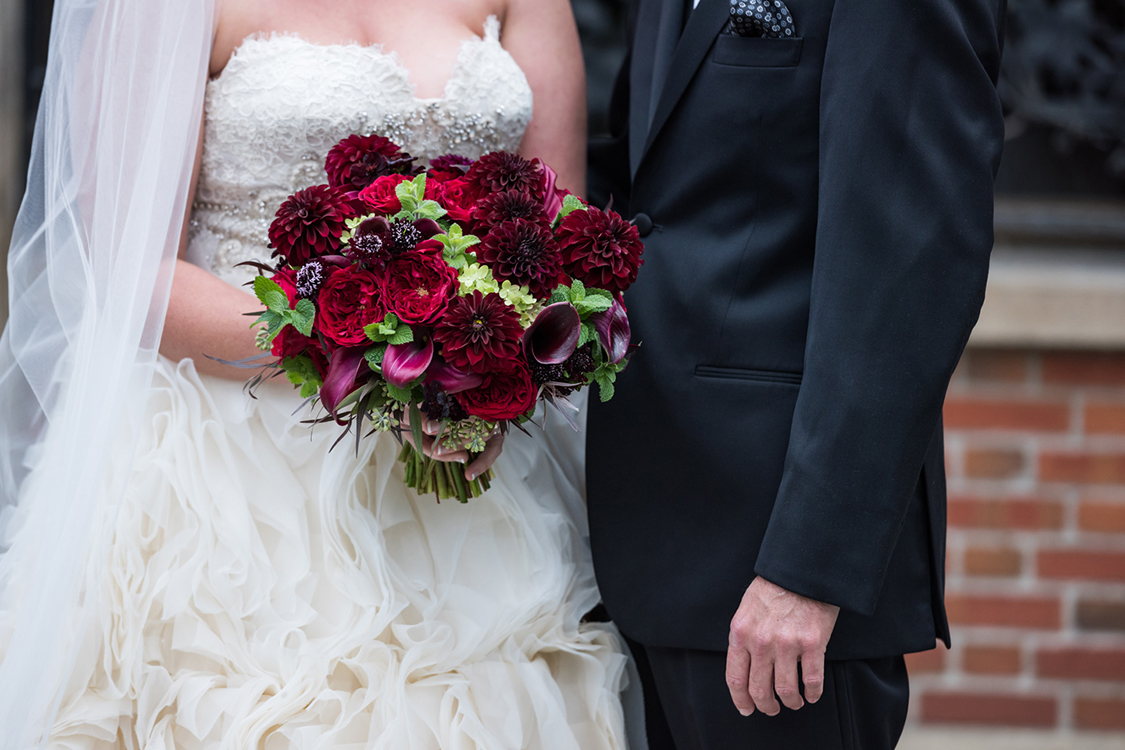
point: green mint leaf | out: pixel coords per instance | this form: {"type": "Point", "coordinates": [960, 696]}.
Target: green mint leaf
{"type": "Point", "coordinates": [402, 395]}
{"type": "Point", "coordinates": [276, 300]}
{"type": "Point", "coordinates": [577, 291]}
{"type": "Point", "coordinates": [309, 389]}
{"type": "Point", "coordinates": [263, 286]}
{"type": "Point", "coordinates": [374, 332]}
{"type": "Point", "coordinates": [586, 334]}
{"type": "Point", "coordinates": [402, 336]}
{"type": "Point", "coordinates": [430, 210]}
{"type": "Point", "coordinates": [606, 390]}
{"type": "Point", "coordinates": [374, 357]}
{"type": "Point", "coordinates": [303, 317]}
{"type": "Point", "coordinates": [600, 293]}
{"type": "Point", "coordinates": [592, 305]}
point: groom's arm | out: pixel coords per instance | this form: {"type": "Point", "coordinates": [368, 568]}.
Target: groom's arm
{"type": "Point", "coordinates": [910, 137]}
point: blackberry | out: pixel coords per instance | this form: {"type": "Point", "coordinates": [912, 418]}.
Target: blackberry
{"type": "Point", "coordinates": [581, 363]}
{"type": "Point", "coordinates": [543, 374]}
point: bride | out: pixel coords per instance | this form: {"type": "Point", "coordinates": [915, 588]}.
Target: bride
{"type": "Point", "coordinates": [186, 567]}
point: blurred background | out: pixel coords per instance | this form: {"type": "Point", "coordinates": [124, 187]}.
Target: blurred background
{"type": "Point", "coordinates": [1035, 419]}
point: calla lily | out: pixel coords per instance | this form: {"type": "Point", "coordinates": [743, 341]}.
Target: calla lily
{"type": "Point", "coordinates": [554, 335]}
{"type": "Point", "coordinates": [452, 379]}
{"type": "Point", "coordinates": [552, 196]}
{"type": "Point", "coordinates": [428, 227]}
{"type": "Point", "coordinates": [613, 331]}
{"type": "Point", "coordinates": [342, 377]}
{"type": "Point", "coordinates": [405, 363]}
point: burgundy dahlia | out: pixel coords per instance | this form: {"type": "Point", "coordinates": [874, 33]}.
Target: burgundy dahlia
{"type": "Point", "coordinates": [511, 204]}
{"type": "Point", "coordinates": [600, 249]}
{"type": "Point", "coordinates": [357, 161]}
{"type": "Point", "coordinates": [309, 223]}
{"type": "Point", "coordinates": [522, 252]}
{"type": "Point", "coordinates": [480, 333]}
{"type": "Point", "coordinates": [500, 171]}
{"type": "Point", "coordinates": [452, 163]}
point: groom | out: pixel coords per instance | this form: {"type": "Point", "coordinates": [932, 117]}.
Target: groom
{"type": "Point", "coordinates": [766, 490]}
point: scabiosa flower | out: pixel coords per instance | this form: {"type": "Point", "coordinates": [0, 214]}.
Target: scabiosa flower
{"type": "Point", "coordinates": [543, 374]}
{"type": "Point", "coordinates": [524, 253]}
{"type": "Point", "coordinates": [309, 279]}
{"type": "Point", "coordinates": [366, 248]}
{"type": "Point", "coordinates": [501, 171]}
{"type": "Point", "coordinates": [511, 204]}
{"type": "Point", "coordinates": [581, 363]}
{"type": "Point", "coordinates": [480, 333]}
{"type": "Point", "coordinates": [309, 223]}
{"type": "Point", "coordinates": [600, 249]}
{"type": "Point", "coordinates": [357, 161]}
{"type": "Point", "coordinates": [404, 236]}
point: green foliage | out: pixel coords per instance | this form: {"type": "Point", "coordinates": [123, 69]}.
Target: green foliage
{"type": "Point", "coordinates": [571, 203]}
{"type": "Point", "coordinates": [278, 314]}
{"type": "Point", "coordinates": [301, 371]}
{"type": "Point", "coordinates": [389, 330]}
{"type": "Point", "coordinates": [412, 195]}
{"type": "Point", "coordinates": [454, 244]}
{"type": "Point", "coordinates": [402, 395]}
{"type": "Point", "coordinates": [374, 357]}
{"type": "Point", "coordinates": [586, 301]}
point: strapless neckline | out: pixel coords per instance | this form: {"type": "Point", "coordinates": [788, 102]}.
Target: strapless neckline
{"type": "Point", "coordinates": [374, 50]}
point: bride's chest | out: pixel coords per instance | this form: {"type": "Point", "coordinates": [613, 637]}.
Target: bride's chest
{"type": "Point", "coordinates": [281, 103]}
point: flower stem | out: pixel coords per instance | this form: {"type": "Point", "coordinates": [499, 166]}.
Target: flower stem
{"type": "Point", "coordinates": [443, 479]}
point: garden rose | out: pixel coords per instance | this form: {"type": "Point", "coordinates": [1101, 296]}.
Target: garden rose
{"type": "Point", "coordinates": [380, 195]}
{"type": "Point", "coordinates": [419, 284]}
{"type": "Point", "coordinates": [502, 395]}
{"type": "Point", "coordinates": [350, 299]}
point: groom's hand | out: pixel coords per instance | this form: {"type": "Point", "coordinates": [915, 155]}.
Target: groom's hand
{"type": "Point", "coordinates": [771, 632]}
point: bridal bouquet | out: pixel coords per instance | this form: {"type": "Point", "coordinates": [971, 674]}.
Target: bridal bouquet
{"type": "Point", "coordinates": [465, 293]}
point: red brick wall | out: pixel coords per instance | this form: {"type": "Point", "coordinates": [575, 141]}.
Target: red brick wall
{"type": "Point", "coordinates": [1035, 445]}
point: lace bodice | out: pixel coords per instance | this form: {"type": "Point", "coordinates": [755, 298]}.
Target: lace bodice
{"type": "Point", "coordinates": [282, 102]}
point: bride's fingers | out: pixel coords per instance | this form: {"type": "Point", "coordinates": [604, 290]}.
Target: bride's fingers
{"type": "Point", "coordinates": [484, 461]}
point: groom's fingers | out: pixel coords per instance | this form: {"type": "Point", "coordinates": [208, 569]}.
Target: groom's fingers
{"type": "Point", "coordinates": [761, 684]}
{"type": "Point", "coordinates": [812, 670]}
{"type": "Point", "coordinates": [786, 683]}
{"type": "Point", "coordinates": [738, 678]}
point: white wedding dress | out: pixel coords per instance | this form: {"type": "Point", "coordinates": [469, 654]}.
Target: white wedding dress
{"type": "Point", "coordinates": [262, 591]}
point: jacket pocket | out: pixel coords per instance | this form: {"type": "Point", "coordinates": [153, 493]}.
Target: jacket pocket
{"type": "Point", "coordinates": [741, 373]}
{"type": "Point", "coordinates": [757, 52]}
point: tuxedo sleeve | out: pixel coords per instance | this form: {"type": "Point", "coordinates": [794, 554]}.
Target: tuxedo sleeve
{"type": "Point", "coordinates": [910, 137]}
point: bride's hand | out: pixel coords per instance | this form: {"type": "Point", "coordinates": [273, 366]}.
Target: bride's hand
{"type": "Point", "coordinates": [455, 454]}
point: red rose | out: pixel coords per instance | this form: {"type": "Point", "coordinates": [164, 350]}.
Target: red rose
{"type": "Point", "coordinates": [419, 284]}
{"type": "Point", "coordinates": [349, 300]}
{"type": "Point", "coordinates": [502, 395]}
{"type": "Point", "coordinates": [454, 196]}
{"type": "Point", "coordinates": [380, 195]}
{"type": "Point", "coordinates": [286, 278]}
{"type": "Point", "coordinates": [289, 343]}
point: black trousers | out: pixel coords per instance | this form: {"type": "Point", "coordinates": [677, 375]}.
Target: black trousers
{"type": "Point", "coordinates": [688, 706]}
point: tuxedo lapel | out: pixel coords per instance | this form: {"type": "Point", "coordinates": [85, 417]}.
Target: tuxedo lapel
{"type": "Point", "coordinates": [704, 24]}
{"type": "Point", "coordinates": [642, 99]}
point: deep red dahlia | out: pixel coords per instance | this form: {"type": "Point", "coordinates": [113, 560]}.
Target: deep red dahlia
{"type": "Point", "coordinates": [309, 223]}
{"type": "Point", "coordinates": [452, 163]}
{"type": "Point", "coordinates": [522, 252]}
{"type": "Point", "coordinates": [500, 171]}
{"type": "Point", "coordinates": [358, 160]}
{"type": "Point", "coordinates": [502, 395]}
{"type": "Point", "coordinates": [511, 204]}
{"type": "Point", "coordinates": [600, 249]}
{"type": "Point", "coordinates": [480, 333]}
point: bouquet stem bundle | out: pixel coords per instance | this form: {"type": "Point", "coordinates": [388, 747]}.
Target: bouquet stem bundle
{"type": "Point", "coordinates": [441, 478]}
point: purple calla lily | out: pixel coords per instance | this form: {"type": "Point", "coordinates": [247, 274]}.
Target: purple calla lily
{"type": "Point", "coordinates": [342, 377]}
{"type": "Point", "coordinates": [613, 331]}
{"type": "Point", "coordinates": [451, 379]}
{"type": "Point", "coordinates": [554, 335]}
{"type": "Point", "coordinates": [552, 196]}
{"type": "Point", "coordinates": [405, 363]}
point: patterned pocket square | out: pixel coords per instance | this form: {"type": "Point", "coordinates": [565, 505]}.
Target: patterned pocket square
{"type": "Point", "coordinates": [767, 18]}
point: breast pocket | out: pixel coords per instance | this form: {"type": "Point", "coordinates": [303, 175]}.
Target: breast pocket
{"type": "Point", "coordinates": [757, 52]}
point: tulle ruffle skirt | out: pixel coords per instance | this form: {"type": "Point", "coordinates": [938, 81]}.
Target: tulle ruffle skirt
{"type": "Point", "coordinates": [262, 591]}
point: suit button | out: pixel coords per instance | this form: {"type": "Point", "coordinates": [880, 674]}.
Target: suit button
{"type": "Point", "coordinates": [643, 223]}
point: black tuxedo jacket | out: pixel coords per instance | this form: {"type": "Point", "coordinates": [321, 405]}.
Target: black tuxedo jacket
{"type": "Point", "coordinates": [818, 213]}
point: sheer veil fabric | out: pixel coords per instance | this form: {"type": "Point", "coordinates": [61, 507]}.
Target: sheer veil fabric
{"type": "Point", "coordinates": [90, 269]}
